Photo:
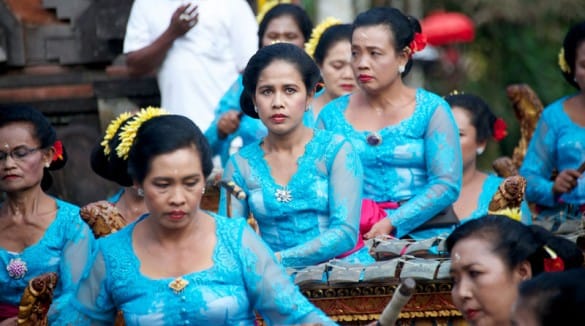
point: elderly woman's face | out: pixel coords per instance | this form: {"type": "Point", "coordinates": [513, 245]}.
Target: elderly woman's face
{"type": "Point", "coordinates": [22, 166]}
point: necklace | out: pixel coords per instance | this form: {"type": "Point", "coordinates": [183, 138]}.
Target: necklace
{"type": "Point", "coordinates": [283, 195]}
{"type": "Point", "coordinates": [178, 284]}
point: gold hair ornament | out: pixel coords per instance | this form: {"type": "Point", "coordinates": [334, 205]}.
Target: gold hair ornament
{"type": "Point", "coordinates": [129, 131]}
{"type": "Point", "coordinates": [266, 8]}
{"type": "Point", "coordinates": [111, 131]}
{"type": "Point", "coordinates": [317, 32]}
{"type": "Point", "coordinates": [513, 213]}
{"type": "Point", "coordinates": [563, 63]}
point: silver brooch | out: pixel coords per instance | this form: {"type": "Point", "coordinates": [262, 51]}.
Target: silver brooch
{"type": "Point", "coordinates": [283, 195]}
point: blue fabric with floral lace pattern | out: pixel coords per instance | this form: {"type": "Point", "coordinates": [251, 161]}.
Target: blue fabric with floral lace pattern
{"type": "Point", "coordinates": [416, 162]}
{"type": "Point", "coordinates": [313, 218]}
{"type": "Point", "coordinates": [244, 278]}
{"type": "Point", "coordinates": [64, 249]}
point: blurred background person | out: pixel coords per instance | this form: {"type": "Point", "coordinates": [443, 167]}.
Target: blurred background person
{"type": "Point", "coordinates": [491, 255]}
{"type": "Point", "coordinates": [330, 47]}
{"type": "Point", "coordinates": [477, 124]}
{"type": "Point", "coordinates": [196, 49]}
{"type": "Point", "coordinates": [551, 299]}
{"type": "Point", "coordinates": [555, 158]}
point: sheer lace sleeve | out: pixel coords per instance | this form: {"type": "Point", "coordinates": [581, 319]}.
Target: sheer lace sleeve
{"type": "Point", "coordinates": [91, 305]}
{"type": "Point", "coordinates": [237, 207]}
{"type": "Point", "coordinates": [345, 188]}
{"type": "Point", "coordinates": [79, 246]}
{"type": "Point", "coordinates": [271, 290]}
{"type": "Point", "coordinates": [538, 165]}
{"type": "Point", "coordinates": [444, 172]}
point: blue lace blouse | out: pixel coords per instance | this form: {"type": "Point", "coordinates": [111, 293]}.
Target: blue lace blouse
{"type": "Point", "coordinates": [489, 188]}
{"type": "Point", "coordinates": [417, 163]}
{"type": "Point", "coordinates": [244, 277]}
{"type": "Point", "coordinates": [557, 143]}
{"type": "Point", "coordinates": [313, 218]}
{"type": "Point", "coordinates": [64, 249]}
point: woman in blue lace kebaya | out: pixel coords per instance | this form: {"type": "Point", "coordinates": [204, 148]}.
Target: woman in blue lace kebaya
{"type": "Point", "coordinates": [178, 264]}
{"type": "Point", "coordinates": [477, 124]}
{"type": "Point", "coordinates": [38, 233]}
{"type": "Point", "coordinates": [406, 138]}
{"type": "Point", "coordinates": [558, 143]}
{"type": "Point", "coordinates": [303, 185]}
{"type": "Point", "coordinates": [282, 23]}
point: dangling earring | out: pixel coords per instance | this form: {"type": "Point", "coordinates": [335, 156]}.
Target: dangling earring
{"type": "Point", "coordinates": [400, 69]}
{"type": "Point", "coordinates": [479, 151]}
{"type": "Point", "coordinates": [140, 192]}
{"type": "Point", "coordinates": [203, 191]}
{"type": "Point", "coordinates": [255, 109]}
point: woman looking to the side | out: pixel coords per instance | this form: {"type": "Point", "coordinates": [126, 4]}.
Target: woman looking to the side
{"type": "Point", "coordinates": [38, 233]}
{"type": "Point", "coordinates": [407, 138]}
{"type": "Point", "coordinates": [492, 255]}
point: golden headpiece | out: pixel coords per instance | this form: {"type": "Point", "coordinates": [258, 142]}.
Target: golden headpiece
{"type": "Point", "coordinates": [317, 32]}
{"type": "Point", "coordinates": [112, 129]}
{"type": "Point", "coordinates": [129, 131]}
{"type": "Point", "coordinates": [563, 63]}
{"type": "Point", "coordinates": [264, 8]}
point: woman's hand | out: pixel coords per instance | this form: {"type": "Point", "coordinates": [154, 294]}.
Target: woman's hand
{"type": "Point", "coordinates": [228, 123]}
{"type": "Point", "coordinates": [382, 227]}
{"type": "Point", "coordinates": [566, 181]}
{"type": "Point", "coordinates": [9, 322]}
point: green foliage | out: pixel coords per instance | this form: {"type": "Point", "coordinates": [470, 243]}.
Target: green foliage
{"type": "Point", "coordinates": [516, 42]}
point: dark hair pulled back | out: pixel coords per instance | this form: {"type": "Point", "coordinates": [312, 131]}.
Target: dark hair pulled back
{"type": "Point", "coordinates": [402, 27]}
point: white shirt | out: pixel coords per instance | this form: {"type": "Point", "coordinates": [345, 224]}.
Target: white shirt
{"type": "Point", "coordinates": [201, 65]}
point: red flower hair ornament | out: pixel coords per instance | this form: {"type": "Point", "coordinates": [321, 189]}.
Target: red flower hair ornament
{"type": "Point", "coordinates": [554, 263]}
{"type": "Point", "coordinates": [500, 129]}
{"type": "Point", "coordinates": [58, 147]}
{"type": "Point", "coordinates": [418, 43]}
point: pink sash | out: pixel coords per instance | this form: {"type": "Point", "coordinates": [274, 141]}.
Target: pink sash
{"type": "Point", "coordinates": [372, 212]}
{"type": "Point", "coordinates": [7, 311]}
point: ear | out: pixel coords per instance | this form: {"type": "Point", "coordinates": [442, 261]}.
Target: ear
{"type": "Point", "coordinates": [48, 155]}
{"type": "Point", "coordinates": [523, 271]}
{"type": "Point", "coordinates": [482, 144]}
